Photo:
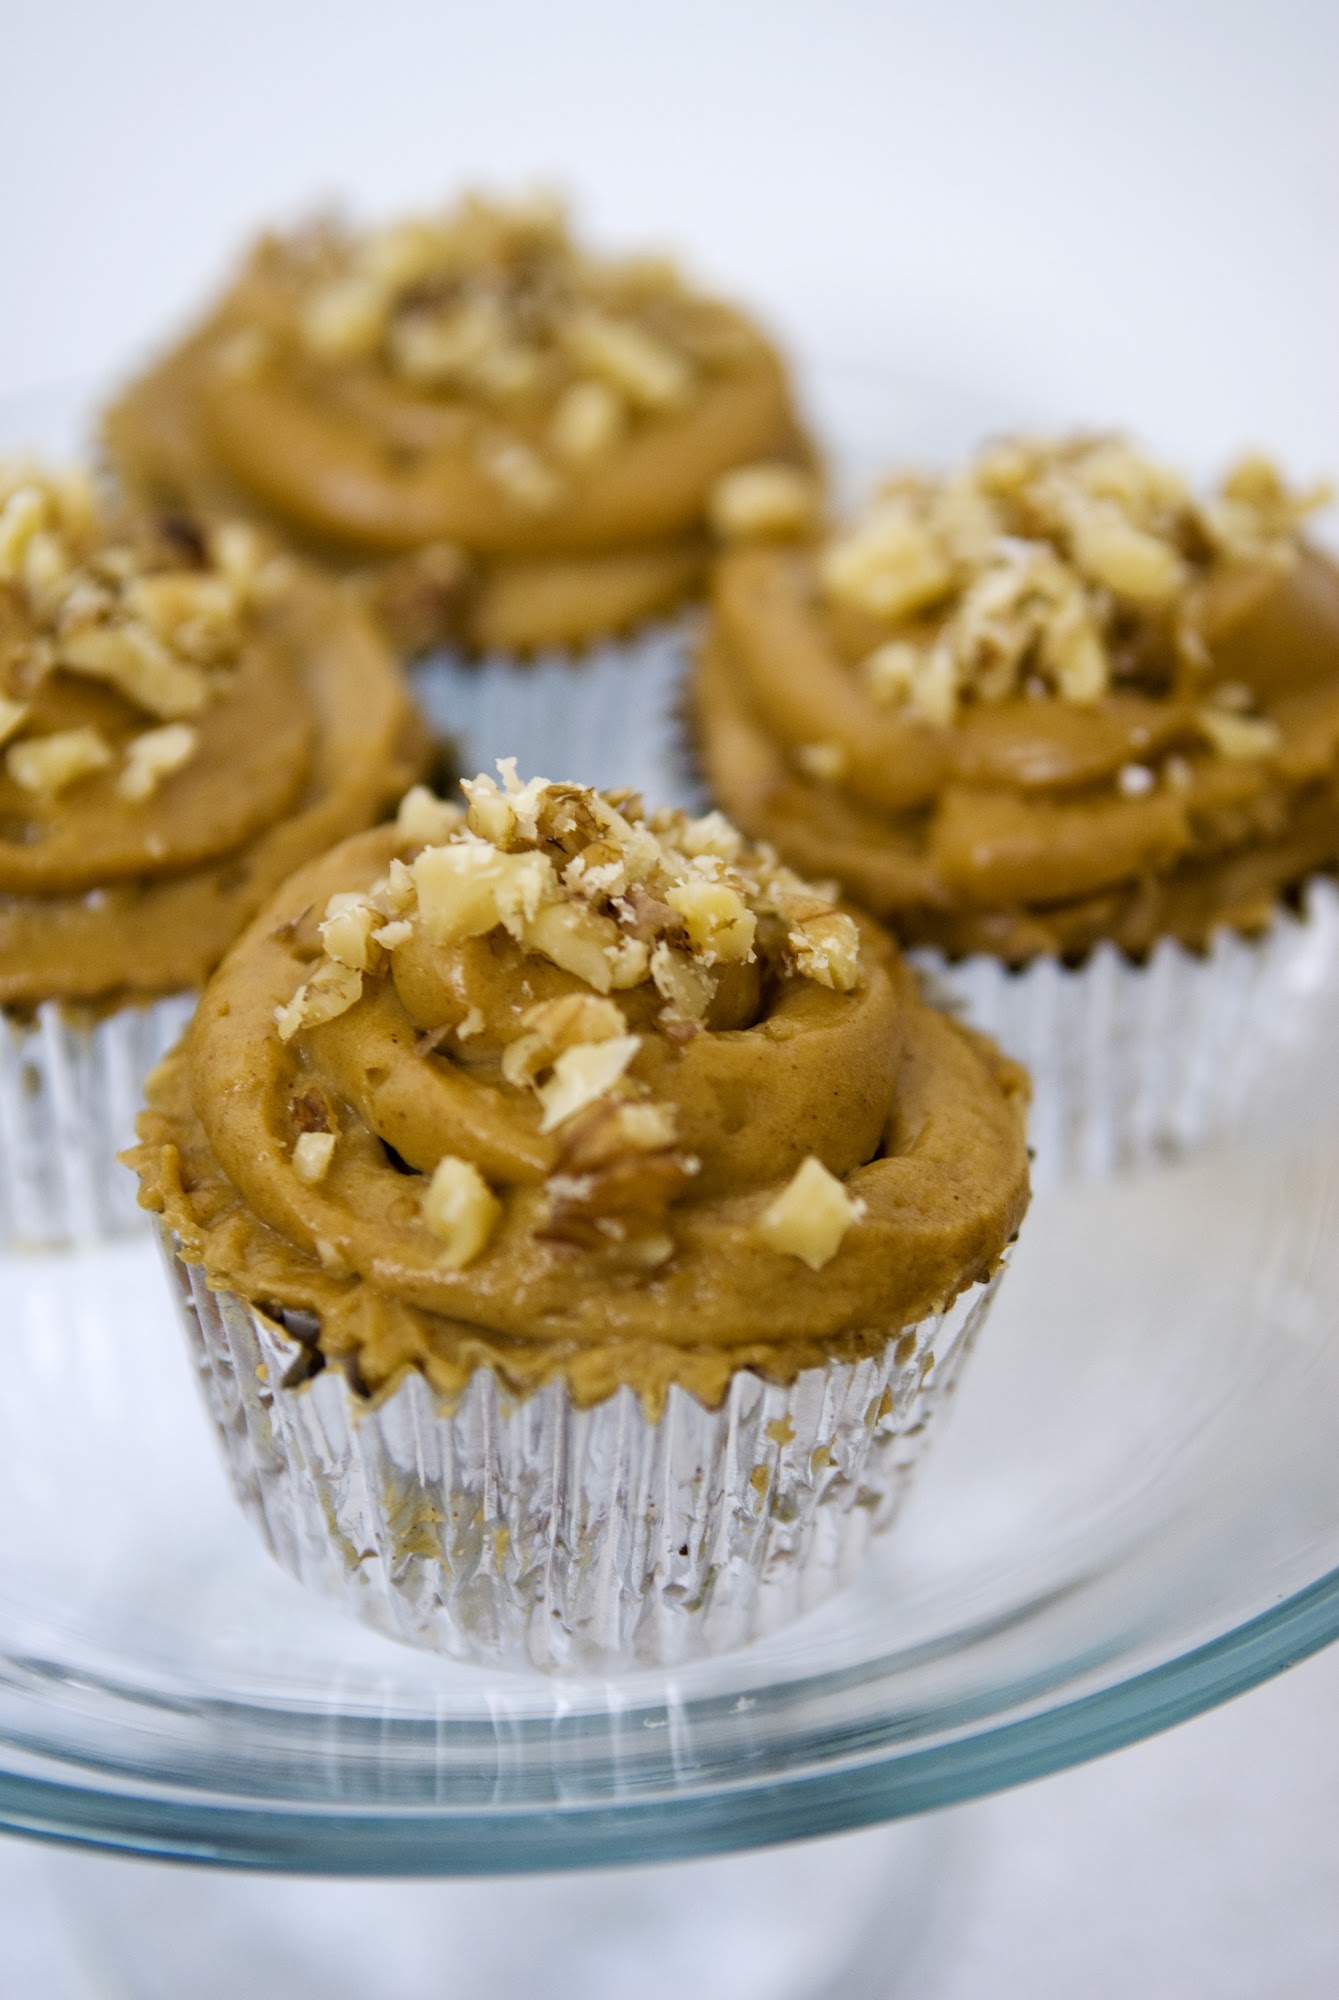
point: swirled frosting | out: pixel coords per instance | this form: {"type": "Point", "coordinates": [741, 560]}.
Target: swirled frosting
{"type": "Point", "coordinates": [1051, 699]}
{"type": "Point", "coordinates": [471, 382]}
{"type": "Point", "coordinates": [555, 1086]}
{"type": "Point", "coordinates": [184, 720]}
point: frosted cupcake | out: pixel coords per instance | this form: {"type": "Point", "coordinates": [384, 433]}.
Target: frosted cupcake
{"type": "Point", "coordinates": [1075, 734]}
{"type": "Point", "coordinates": [184, 721]}
{"type": "Point", "coordinates": [578, 1217]}
{"type": "Point", "coordinates": [470, 394]}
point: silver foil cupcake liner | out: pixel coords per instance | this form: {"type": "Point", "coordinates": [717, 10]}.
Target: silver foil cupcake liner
{"type": "Point", "coordinates": [1133, 1064]}
{"type": "Point", "coordinates": [69, 1095]}
{"type": "Point", "coordinates": [604, 718]}
{"type": "Point", "coordinates": [536, 1534]}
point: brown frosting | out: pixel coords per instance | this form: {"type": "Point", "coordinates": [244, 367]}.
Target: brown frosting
{"type": "Point", "coordinates": [558, 1088]}
{"type": "Point", "coordinates": [1050, 700]}
{"type": "Point", "coordinates": [185, 720]}
{"type": "Point", "coordinates": [472, 383]}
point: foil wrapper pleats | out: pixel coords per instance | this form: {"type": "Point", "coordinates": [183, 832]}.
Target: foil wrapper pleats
{"type": "Point", "coordinates": [606, 717]}
{"type": "Point", "coordinates": [70, 1090]}
{"type": "Point", "coordinates": [1137, 1063]}
{"type": "Point", "coordinates": [535, 1534]}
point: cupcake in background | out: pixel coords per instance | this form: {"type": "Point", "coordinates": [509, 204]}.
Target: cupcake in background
{"type": "Point", "coordinates": [577, 1218]}
{"type": "Point", "coordinates": [511, 438]}
{"type": "Point", "coordinates": [1074, 734]}
{"type": "Point", "coordinates": [185, 719]}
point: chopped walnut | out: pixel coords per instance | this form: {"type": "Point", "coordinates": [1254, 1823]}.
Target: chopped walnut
{"type": "Point", "coordinates": [345, 321]}
{"type": "Point", "coordinates": [24, 515]}
{"type": "Point", "coordinates": [614, 1128]}
{"type": "Point", "coordinates": [1026, 571]}
{"type": "Point", "coordinates": [763, 503]}
{"type": "Point", "coordinates": [583, 1074]}
{"type": "Point", "coordinates": [1239, 738]}
{"type": "Point", "coordinates": [646, 369]}
{"type": "Point", "coordinates": [13, 715]}
{"type": "Point", "coordinates": [923, 679]}
{"type": "Point", "coordinates": [811, 1215]}
{"type": "Point", "coordinates": [397, 932]}
{"type": "Point", "coordinates": [461, 1211]}
{"type": "Point", "coordinates": [350, 933]}
{"type": "Point", "coordinates": [312, 1155]}
{"type": "Point", "coordinates": [467, 888]}
{"type": "Point", "coordinates": [687, 987]}
{"type": "Point", "coordinates": [606, 894]}
{"type": "Point", "coordinates": [139, 665]}
{"type": "Point", "coordinates": [618, 1167]}
{"type": "Point", "coordinates": [331, 991]}
{"type": "Point", "coordinates": [518, 471]}
{"type": "Point", "coordinates": [49, 765]}
{"type": "Point", "coordinates": [156, 616]}
{"type": "Point", "coordinates": [719, 923]}
{"type": "Point", "coordinates": [587, 422]}
{"type": "Point", "coordinates": [426, 818]}
{"type": "Point", "coordinates": [556, 1025]}
{"type": "Point", "coordinates": [826, 948]}
{"type": "Point", "coordinates": [824, 761]}
{"type": "Point", "coordinates": [590, 945]}
{"type": "Point", "coordinates": [154, 755]}
{"type": "Point", "coordinates": [890, 565]}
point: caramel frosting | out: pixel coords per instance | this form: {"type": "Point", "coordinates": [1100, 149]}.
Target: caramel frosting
{"type": "Point", "coordinates": [557, 1087]}
{"type": "Point", "coordinates": [469, 383]}
{"type": "Point", "coordinates": [1051, 699]}
{"type": "Point", "coordinates": [184, 719]}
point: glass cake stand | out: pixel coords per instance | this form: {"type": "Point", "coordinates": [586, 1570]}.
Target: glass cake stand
{"type": "Point", "coordinates": [1132, 1514]}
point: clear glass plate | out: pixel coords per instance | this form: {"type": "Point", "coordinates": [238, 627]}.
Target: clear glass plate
{"type": "Point", "coordinates": [1133, 1512]}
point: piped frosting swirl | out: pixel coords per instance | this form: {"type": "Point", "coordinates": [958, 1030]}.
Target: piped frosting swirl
{"type": "Point", "coordinates": [1050, 698]}
{"type": "Point", "coordinates": [585, 1089]}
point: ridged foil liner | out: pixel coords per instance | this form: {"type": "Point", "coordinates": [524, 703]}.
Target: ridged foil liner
{"type": "Point", "coordinates": [1133, 1064]}
{"type": "Point", "coordinates": [603, 718]}
{"type": "Point", "coordinates": [535, 1534]}
{"type": "Point", "coordinates": [69, 1094]}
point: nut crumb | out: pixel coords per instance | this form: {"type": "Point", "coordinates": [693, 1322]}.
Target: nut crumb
{"type": "Point", "coordinates": [811, 1215]}
{"type": "Point", "coordinates": [312, 1154]}
{"type": "Point", "coordinates": [461, 1211]}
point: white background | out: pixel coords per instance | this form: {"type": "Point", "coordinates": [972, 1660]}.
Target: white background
{"type": "Point", "coordinates": [1094, 214]}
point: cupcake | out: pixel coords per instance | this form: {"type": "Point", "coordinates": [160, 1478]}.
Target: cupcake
{"type": "Point", "coordinates": [577, 1218]}
{"type": "Point", "coordinates": [184, 721]}
{"type": "Point", "coordinates": [1073, 734]}
{"type": "Point", "coordinates": [514, 440]}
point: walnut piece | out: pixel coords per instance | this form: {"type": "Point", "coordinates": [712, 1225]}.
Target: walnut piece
{"type": "Point", "coordinates": [648, 371]}
{"type": "Point", "coordinates": [719, 923]}
{"type": "Point", "coordinates": [13, 715]}
{"type": "Point", "coordinates": [331, 991]}
{"type": "Point", "coordinates": [763, 503]}
{"type": "Point", "coordinates": [826, 949]}
{"type": "Point", "coordinates": [587, 422]}
{"type": "Point", "coordinates": [583, 1074]}
{"type": "Point", "coordinates": [1239, 738]}
{"type": "Point", "coordinates": [1028, 570]}
{"type": "Point", "coordinates": [461, 1211]}
{"type": "Point", "coordinates": [422, 816]}
{"type": "Point", "coordinates": [49, 765]}
{"type": "Point", "coordinates": [811, 1215]}
{"type": "Point", "coordinates": [312, 1154]}
{"type": "Point", "coordinates": [154, 755]}
{"type": "Point", "coordinates": [137, 663]}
